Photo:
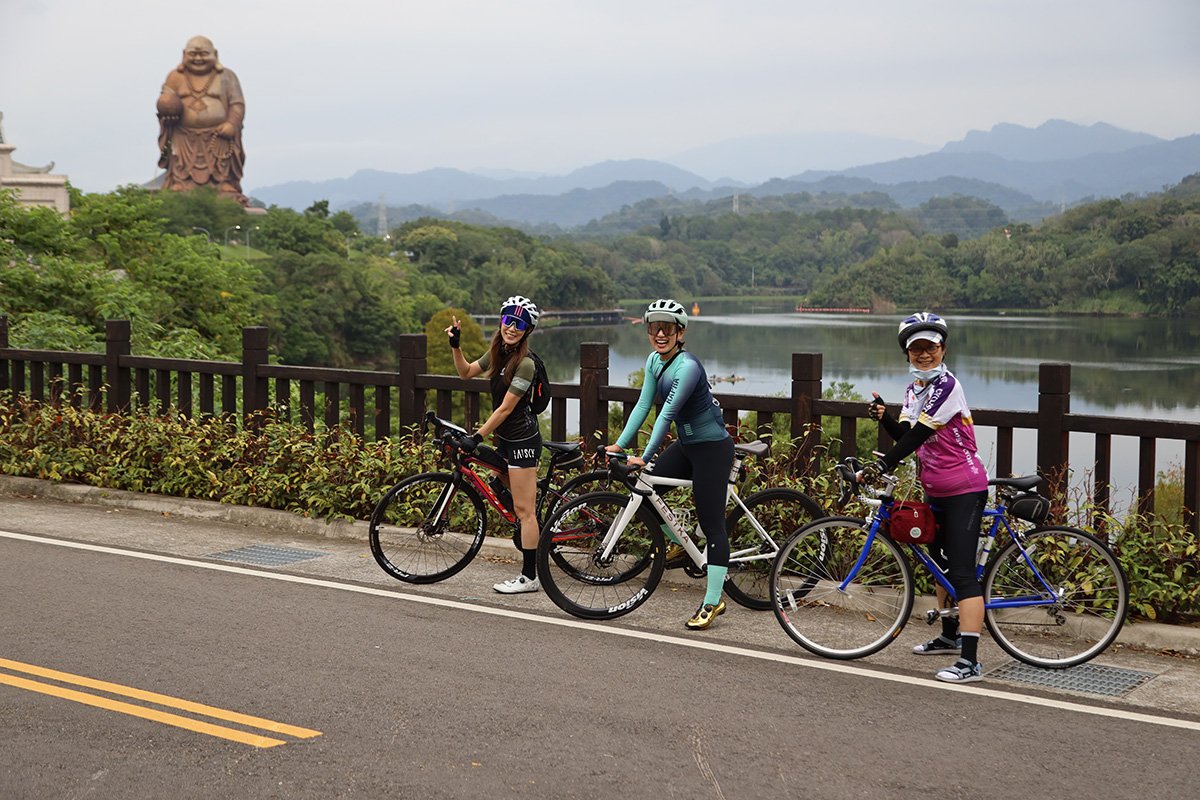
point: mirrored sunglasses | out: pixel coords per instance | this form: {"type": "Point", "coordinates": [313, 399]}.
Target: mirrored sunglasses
{"type": "Point", "coordinates": [655, 328]}
{"type": "Point", "coordinates": [509, 321]}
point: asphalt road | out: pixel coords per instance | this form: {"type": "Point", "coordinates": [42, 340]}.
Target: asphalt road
{"type": "Point", "coordinates": [375, 689]}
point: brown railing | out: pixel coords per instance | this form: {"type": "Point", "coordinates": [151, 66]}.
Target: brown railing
{"type": "Point", "coordinates": [392, 402]}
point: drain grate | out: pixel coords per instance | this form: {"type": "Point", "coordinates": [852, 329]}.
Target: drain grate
{"type": "Point", "coordinates": [1090, 678]}
{"type": "Point", "coordinates": [265, 555]}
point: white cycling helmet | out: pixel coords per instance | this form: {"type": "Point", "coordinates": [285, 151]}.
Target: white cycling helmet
{"type": "Point", "coordinates": [665, 311]}
{"type": "Point", "coordinates": [521, 307]}
{"type": "Point", "coordinates": [922, 325]}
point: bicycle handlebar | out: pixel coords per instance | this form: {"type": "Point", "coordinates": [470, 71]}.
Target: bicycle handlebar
{"type": "Point", "coordinates": [848, 471]}
{"type": "Point", "coordinates": [623, 472]}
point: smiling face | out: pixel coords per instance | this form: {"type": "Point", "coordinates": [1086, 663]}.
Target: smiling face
{"type": "Point", "coordinates": [511, 334]}
{"type": "Point", "coordinates": [199, 56]}
{"type": "Point", "coordinates": [924, 354]}
{"type": "Point", "coordinates": [664, 336]}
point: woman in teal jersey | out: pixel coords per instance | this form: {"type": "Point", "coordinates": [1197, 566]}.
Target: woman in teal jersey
{"type": "Point", "coordinates": [704, 450]}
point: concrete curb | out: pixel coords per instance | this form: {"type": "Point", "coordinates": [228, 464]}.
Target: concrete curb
{"type": "Point", "coordinates": [248, 516]}
{"type": "Point", "coordinates": [1148, 635]}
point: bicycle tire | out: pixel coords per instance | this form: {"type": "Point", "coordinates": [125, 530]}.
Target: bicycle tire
{"type": "Point", "coordinates": [1089, 614]}
{"type": "Point", "coordinates": [595, 481]}
{"type": "Point", "coordinates": [822, 618]}
{"type": "Point", "coordinates": [411, 547]}
{"type": "Point", "coordinates": [589, 587]}
{"type": "Point", "coordinates": [780, 511]}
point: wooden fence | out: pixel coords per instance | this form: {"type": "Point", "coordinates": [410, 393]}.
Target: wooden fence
{"type": "Point", "coordinates": [116, 381]}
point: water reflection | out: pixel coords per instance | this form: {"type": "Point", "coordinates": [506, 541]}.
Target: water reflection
{"type": "Point", "coordinates": [1124, 367]}
{"type": "Point", "coordinates": [1145, 368]}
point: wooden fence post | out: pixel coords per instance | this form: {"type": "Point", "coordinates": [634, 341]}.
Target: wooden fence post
{"type": "Point", "coordinates": [3, 344]}
{"type": "Point", "coordinates": [1053, 439]}
{"type": "Point", "coordinates": [412, 350]}
{"type": "Point", "coordinates": [254, 386]}
{"type": "Point", "coordinates": [593, 410]}
{"type": "Point", "coordinates": [806, 423]}
{"type": "Point", "coordinates": [116, 344]}
{"type": "Point", "coordinates": [1191, 486]}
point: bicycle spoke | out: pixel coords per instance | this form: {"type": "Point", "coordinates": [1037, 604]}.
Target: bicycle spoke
{"type": "Point", "coordinates": [424, 530]}
{"type": "Point", "coordinates": [1081, 614]}
{"type": "Point", "coordinates": [769, 518]}
{"type": "Point", "coordinates": [576, 573]}
{"type": "Point", "coordinates": [830, 608]}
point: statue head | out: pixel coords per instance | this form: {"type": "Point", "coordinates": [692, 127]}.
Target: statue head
{"type": "Point", "coordinates": [199, 56]}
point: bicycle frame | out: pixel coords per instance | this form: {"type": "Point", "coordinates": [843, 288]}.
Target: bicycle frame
{"type": "Point", "coordinates": [999, 518]}
{"type": "Point", "coordinates": [649, 483]}
{"type": "Point", "coordinates": [463, 465]}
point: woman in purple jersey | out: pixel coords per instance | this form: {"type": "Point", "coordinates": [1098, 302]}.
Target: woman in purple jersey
{"type": "Point", "coordinates": [935, 423]}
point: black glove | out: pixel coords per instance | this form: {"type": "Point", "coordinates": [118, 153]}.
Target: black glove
{"type": "Point", "coordinates": [871, 473]}
{"type": "Point", "coordinates": [469, 442]}
{"type": "Point", "coordinates": [877, 408]}
{"type": "Point", "coordinates": [455, 336]}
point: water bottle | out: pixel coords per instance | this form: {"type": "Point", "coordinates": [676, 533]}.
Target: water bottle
{"type": "Point", "coordinates": [983, 549]}
{"type": "Point", "coordinates": [735, 474]}
{"type": "Point", "coordinates": [501, 491]}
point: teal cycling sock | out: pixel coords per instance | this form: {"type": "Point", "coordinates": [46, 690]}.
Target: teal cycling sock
{"type": "Point", "coordinates": [670, 534]}
{"type": "Point", "coordinates": [716, 583]}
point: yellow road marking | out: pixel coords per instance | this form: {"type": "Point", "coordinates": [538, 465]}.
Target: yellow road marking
{"type": "Point", "coordinates": [152, 697]}
{"type": "Point", "coordinates": [140, 711]}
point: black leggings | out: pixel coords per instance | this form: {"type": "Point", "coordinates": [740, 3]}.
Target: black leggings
{"type": "Point", "coordinates": [955, 549]}
{"type": "Point", "coordinates": [708, 465]}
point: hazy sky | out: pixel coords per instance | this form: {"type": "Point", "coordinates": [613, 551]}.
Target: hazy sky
{"type": "Point", "coordinates": [333, 86]}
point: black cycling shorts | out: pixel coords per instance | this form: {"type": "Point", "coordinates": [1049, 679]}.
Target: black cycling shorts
{"type": "Point", "coordinates": [523, 453]}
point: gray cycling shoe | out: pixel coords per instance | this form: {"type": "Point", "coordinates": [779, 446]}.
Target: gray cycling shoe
{"type": "Point", "coordinates": [961, 671]}
{"type": "Point", "coordinates": [939, 646]}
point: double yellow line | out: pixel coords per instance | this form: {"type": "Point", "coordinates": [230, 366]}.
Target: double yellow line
{"type": "Point", "coordinates": [166, 718]}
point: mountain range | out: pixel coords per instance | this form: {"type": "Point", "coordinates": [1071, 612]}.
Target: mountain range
{"type": "Point", "coordinates": [1028, 172]}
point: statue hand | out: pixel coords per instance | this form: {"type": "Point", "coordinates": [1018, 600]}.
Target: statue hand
{"type": "Point", "coordinates": [169, 119]}
{"type": "Point", "coordinates": [226, 130]}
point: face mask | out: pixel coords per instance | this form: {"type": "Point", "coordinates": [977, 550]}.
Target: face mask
{"type": "Point", "coordinates": [927, 375]}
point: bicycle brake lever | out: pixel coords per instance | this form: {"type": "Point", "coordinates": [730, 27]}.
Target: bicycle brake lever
{"type": "Point", "coordinates": [624, 472]}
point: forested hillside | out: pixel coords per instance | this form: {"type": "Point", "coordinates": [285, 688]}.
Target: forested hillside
{"type": "Point", "coordinates": [189, 270]}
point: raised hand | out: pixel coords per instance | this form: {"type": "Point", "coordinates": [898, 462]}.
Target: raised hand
{"type": "Point", "coordinates": [454, 332]}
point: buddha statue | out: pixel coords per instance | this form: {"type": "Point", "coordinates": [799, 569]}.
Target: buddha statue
{"type": "Point", "coordinates": [200, 113]}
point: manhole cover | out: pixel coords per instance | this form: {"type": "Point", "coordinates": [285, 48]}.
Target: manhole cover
{"type": "Point", "coordinates": [1091, 678]}
{"type": "Point", "coordinates": [265, 555]}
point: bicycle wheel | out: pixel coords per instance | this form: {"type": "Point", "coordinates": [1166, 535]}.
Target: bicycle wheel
{"type": "Point", "coordinates": [573, 570]}
{"type": "Point", "coordinates": [774, 515]}
{"type": "Point", "coordinates": [595, 481]}
{"type": "Point", "coordinates": [822, 615]}
{"type": "Point", "coordinates": [418, 538]}
{"type": "Point", "coordinates": [1075, 623]}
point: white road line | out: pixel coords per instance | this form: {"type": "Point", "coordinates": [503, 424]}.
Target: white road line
{"type": "Point", "coordinates": [826, 666]}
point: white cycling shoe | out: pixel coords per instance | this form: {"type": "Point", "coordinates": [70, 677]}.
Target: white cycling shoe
{"type": "Point", "coordinates": [518, 585]}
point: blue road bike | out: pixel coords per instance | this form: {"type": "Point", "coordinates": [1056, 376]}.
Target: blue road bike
{"type": "Point", "coordinates": [1054, 596]}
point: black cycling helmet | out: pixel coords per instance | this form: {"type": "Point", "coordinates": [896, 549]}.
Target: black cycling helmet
{"type": "Point", "coordinates": [522, 308]}
{"type": "Point", "coordinates": [922, 322]}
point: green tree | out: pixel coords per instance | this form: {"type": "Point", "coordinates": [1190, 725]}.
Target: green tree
{"type": "Point", "coordinates": [473, 343]}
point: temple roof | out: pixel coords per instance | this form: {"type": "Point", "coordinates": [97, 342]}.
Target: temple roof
{"type": "Point", "coordinates": [23, 169]}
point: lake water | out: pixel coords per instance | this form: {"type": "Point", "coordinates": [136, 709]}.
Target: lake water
{"type": "Point", "coordinates": [1147, 368]}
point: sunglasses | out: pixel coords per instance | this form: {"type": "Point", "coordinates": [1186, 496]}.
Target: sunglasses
{"type": "Point", "coordinates": [665, 328]}
{"type": "Point", "coordinates": [509, 321]}
{"type": "Point", "coordinates": [923, 347]}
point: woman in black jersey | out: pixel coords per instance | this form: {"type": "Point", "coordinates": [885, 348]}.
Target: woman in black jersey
{"type": "Point", "coordinates": [510, 368]}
